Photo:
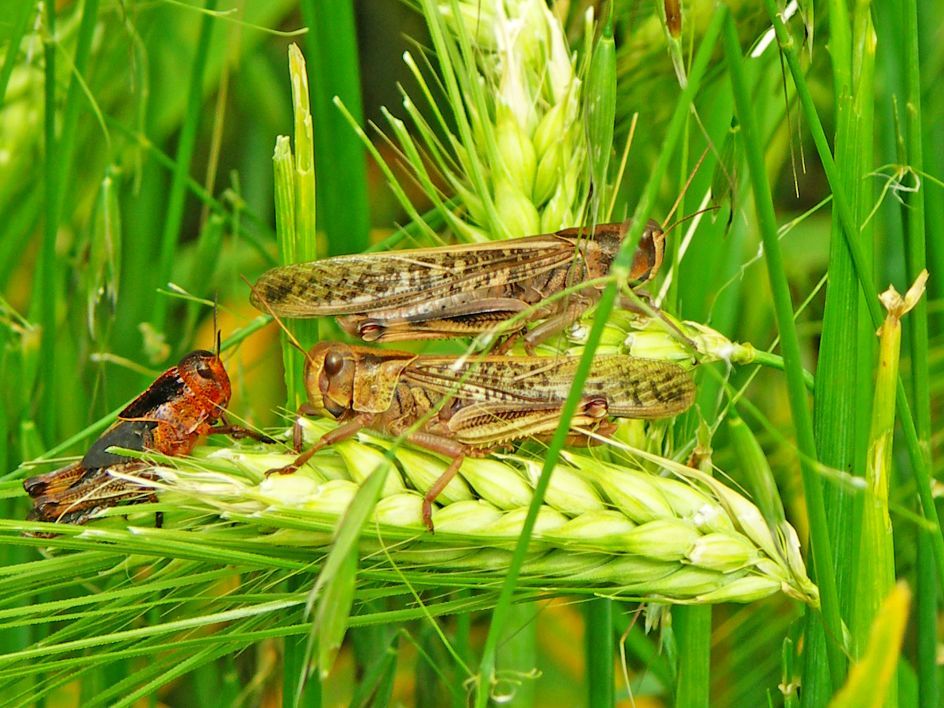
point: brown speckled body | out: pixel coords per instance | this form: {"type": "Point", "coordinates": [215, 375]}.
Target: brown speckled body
{"type": "Point", "coordinates": [451, 291]}
{"type": "Point", "coordinates": [463, 406]}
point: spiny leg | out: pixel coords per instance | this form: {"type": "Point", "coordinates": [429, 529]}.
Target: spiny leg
{"type": "Point", "coordinates": [342, 432]}
{"type": "Point", "coordinates": [444, 446]}
{"type": "Point", "coordinates": [438, 486]}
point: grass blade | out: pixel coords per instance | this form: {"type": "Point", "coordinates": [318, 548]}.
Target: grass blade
{"type": "Point", "coordinates": [344, 208]}
{"type": "Point", "coordinates": [819, 527]}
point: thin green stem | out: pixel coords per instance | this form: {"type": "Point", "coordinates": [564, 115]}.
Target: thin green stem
{"type": "Point", "coordinates": [916, 242]}
{"type": "Point", "coordinates": [819, 528]}
{"type": "Point", "coordinates": [918, 325]}
{"type": "Point", "coordinates": [693, 679]}
{"type": "Point", "coordinates": [598, 616]}
{"type": "Point", "coordinates": [621, 270]}
{"type": "Point", "coordinates": [926, 623]}
{"type": "Point", "coordinates": [46, 283]}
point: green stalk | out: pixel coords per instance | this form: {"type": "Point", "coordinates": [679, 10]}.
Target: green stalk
{"type": "Point", "coordinates": [916, 246]}
{"type": "Point", "coordinates": [837, 408]}
{"type": "Point", "coordinates": [916, 255]}
{"type": "Point", "coordinates": [916, 455]}
{"type": "Point", "coordinates": [303, 244]}
{"type": "Point", "coordinates": [692, 628]}
{"type": "Point", "coordinates": [600, 95]}
{"type": "Point", "coordinates": [819, 529]}
{"type": "Point", "coordinates": [620, 271]}
{"type": "Point", "coordinates": [926, 621]}
{"type": "Point", "coordinates": [177, 193]}
{"type": "Point", "coordinates": [284, 182]}
{"type": "Point", "coordinates": [598, 617]}
{"type": "Point", "coordinates": [46, 285]}
{"type": "Point", "coordinates": [296, 209]}
{"type": "Point", "coordinates": [518, 653]}
{"type": "Point", "coordinates": [840, 49]}
{"type": "Point", "coordinates": [332, 50]}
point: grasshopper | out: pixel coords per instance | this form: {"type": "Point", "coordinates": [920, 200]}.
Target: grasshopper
{"type": "Point", "coordinates": [469, 406]}
{"type": "Point", "coordinates": [450, 291]}
{"type": "Point", "coordinates": [171, 416]}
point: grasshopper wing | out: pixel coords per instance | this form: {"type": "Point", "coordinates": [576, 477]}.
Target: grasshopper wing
{"type": "Point", "coordinates": [364, 283]}
{"type": "Point", "coordinates": [630, 387]}
{"type": "Point", "coordinates": [55, 482]}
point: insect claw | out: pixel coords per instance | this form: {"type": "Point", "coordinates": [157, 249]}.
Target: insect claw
{"type": "Point", "coordinates": [288, 469]}
{"type": "Point", "coordinates": [428, 515]}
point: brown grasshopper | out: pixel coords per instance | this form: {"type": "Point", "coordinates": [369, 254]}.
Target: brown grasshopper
{"type": "Point", "coordinates": [456, 291]}
{"type": "Point", "coordinates": [468, 406]}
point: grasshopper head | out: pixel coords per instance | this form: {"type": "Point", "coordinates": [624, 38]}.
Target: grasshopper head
{"type": "Point", "coordinates": [648, 256]}
{"type": "Point", "coordinates": [329, 378]}
{"type": "Point", "coordinates": [203, 373]}
{"type": "Point", "coordinates": [646, 260]}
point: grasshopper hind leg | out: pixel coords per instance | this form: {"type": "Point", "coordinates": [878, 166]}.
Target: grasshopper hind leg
{"type": "Point", "coordinates": [438, 486]}
{"type": "Point", "coordinates": [444, 446]}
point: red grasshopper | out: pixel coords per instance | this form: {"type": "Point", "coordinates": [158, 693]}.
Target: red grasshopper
{"type": "Point", "coordinates": [185, 403]}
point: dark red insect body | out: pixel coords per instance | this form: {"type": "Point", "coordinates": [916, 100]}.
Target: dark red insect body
{"type": "Point", "coordinates": [170, 417]}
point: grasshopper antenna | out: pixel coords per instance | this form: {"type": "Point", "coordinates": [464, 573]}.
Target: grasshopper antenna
{"type": "Point", "coordinates": [291, 337]}
{"type": "Point", "coordinates": [216, 326]}
{"type": "Point", "coordinates": [689, 217]}
{"type": "Point", "coordinates": [688, 183]}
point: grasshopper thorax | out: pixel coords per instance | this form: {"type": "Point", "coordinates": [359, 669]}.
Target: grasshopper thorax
{"type": "Point", "coordinates": [329, 378]}
{"type": "Point", "coordinates": [202, 372]}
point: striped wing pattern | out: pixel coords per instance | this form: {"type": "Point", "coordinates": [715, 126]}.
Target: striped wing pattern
{"type": "Point", "coordinates": [368, 282]}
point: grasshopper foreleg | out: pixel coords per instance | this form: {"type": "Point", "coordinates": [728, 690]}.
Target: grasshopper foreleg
{"type": "Point", "coordinates": [342, 432]}
{"type": "Point", "coordinates": [238, 432]}
{"type": "Point", "coordinates": [649, 308]}
{"type": "Point", "coordinates": [298, 434]}
{"type": "Point", "coordinates": [438, 486]}
{"type": "Point", "coordinates": [556, 324]}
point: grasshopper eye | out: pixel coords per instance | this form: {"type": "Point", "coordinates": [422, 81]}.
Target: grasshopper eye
{"type": "Point", "coordinates": [204, 370]}
{"type": "Point", "coordinates": [332, 363]}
